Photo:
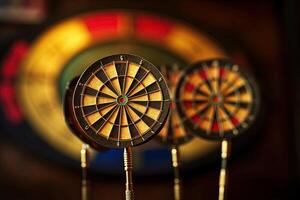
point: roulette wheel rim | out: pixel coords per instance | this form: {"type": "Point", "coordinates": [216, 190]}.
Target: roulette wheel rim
{"type": "Point", "coordinates": [124, 84]}
{"type": "Point", "coordinates": [242, 76]}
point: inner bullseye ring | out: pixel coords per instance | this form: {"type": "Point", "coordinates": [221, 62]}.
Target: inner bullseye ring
{"type": "Point", "coordinates": [216, 99]}
{"type": "Point", "coordinates": [122, 100]}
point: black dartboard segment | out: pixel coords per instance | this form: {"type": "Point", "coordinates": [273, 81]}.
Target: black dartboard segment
{"type": "Point", "coordinates": [217, 99]}
{"type": "Point", "coordinates": [121, 101]}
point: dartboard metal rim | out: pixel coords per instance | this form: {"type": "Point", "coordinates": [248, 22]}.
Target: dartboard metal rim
{"type": "Point", "coordinates": [242, 127]}
{"type": "Point", "coordinates": [102, 141]}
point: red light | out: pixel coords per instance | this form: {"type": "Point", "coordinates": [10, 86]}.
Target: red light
{"type": "Point", "coordinates": [103, 25]}
{"type": "Point", "coordinates": [8, 73]}
{"type": "Point", "coordinates": [152, 27]}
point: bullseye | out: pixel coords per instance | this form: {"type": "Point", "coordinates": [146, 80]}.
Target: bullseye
{"type": "Point", "coordinates": [216, 99]}
{"type": "Point", "coordinates": [122, 100]}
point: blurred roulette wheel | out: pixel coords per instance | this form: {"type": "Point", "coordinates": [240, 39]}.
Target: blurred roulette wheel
{"type": "Point", "coordinates": [64, 50]}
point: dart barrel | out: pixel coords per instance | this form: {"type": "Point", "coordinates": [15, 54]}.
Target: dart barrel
{"type": "Point", "coordinates": [129, 194]}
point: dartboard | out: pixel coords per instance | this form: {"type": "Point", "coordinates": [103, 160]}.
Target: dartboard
{"type": "Point", "coordinates": [120, 101]}
{"type": "Point", "coordinates": [173, 133]}
{"type": "Point", "coordinates": [217, 99]}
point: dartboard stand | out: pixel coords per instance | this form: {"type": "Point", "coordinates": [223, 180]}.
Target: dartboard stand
{"type": "Point", "coordinates": [120, 101]}
{"type": "Point", "coordinates": [176, 167]}
{"type": "Point", "coordinates": [218, 100]}
{"type": "Point", "coordinates": [223, 179]}
{"type": "Point", "coordinates": [84, 163]}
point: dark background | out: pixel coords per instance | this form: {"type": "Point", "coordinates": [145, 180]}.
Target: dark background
{"type": "Point", "coordinates": [269, 169]}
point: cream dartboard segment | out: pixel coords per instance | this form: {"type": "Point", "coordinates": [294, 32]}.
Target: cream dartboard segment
{"type": "Point", "coordinates": [217, 99]}
{"type": "Point", "coordinates": [121, 101]}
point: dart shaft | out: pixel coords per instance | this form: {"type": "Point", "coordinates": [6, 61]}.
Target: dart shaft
{"type": "Point", "coordinates": [129, 195]}
{"type": "Point", "coordinates": [175, 164]}
{"type": "Point", "coordinates": [223, 172]}
{"type": "Point", "coordinates": [84, 158]}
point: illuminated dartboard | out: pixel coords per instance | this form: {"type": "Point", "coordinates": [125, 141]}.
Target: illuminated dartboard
{"type": "Point", "coordinates": [121, 101]}
{"type": "Point", "coordinates": [173, 133]}
{"type": "Point", "coordinates": [217, 99]}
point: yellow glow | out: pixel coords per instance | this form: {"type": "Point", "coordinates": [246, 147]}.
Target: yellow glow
{"type": "Point", "coordinates": [38, 76]}
{"type": "Point", "coordinates": [192, 45]}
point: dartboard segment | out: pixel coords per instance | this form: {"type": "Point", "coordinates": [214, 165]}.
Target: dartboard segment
{"type": "Point", "coordinates": [174, 132]}
{"type": "Point", "coordinates": [217, 99]}
{"type": "Point", "coordinates": [121, 101]}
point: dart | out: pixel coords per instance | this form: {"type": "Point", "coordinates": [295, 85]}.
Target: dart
{"type": "Point", "coordinates": [217, 100]}
{"type": "Point", "coordinates": [174, 133]}
{"type": "Point", "coordinates": [120, 101]}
